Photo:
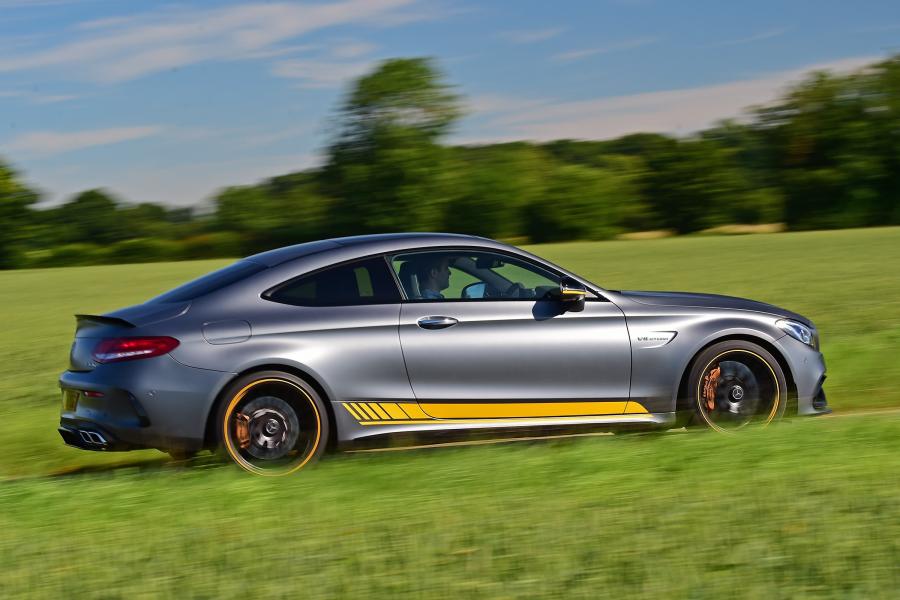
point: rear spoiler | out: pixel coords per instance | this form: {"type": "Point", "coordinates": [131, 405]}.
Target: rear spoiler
{"type": "Point", "coordinates": [101, 320]}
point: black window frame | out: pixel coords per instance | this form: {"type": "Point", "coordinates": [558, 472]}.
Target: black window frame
{"type": "Point", "coordinates": [268, 294]}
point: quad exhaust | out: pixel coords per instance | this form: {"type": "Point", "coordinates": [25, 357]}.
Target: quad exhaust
{"type": "Point", "coordinates": [86, 439]}
{"type": "Point", "coordinates": [92, 437]}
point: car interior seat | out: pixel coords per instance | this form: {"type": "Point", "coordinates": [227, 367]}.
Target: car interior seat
{"type": "Point", "coordinates": [409, 280]}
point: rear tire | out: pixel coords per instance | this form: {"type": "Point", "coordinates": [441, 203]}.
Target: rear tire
{"type": "Point", "coordinates": [735, 384]}
{"type": "Point", "coordinates": [272, 423]}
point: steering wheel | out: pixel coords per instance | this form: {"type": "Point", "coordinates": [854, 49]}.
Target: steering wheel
{"type": "Point", "coordinates": [516, 290]}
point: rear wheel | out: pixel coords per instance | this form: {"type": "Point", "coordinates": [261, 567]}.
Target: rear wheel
{"type": "Point", "coordinates": [272, 423]}
{"type": "Point", "coordinates": [735, 384]}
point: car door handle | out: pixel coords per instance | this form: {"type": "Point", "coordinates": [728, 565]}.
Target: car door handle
{"type": "Point", "coordinates": [436, 322]}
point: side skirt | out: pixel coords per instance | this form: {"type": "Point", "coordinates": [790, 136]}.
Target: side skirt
{"type": "Point", "coordinates": [371, 430]}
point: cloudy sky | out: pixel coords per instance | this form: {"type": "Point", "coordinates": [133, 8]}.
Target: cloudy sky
{"type": "Point", "coordinates": [167, 102]}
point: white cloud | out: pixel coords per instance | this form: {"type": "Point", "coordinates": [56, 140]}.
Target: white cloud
{"type": "Point", "coordinates": [47, 143]}
{"type": "Point", "coordinates": [531, 36]}
{"type": "Point", "coordinates": [35, 98]}
{"type": "Point", "coordinates": [175, 37]}
{"type": "Point", "coordinates": [352, 50]}
{"type": "Point", "coordinates": [281, 51]}
{"type": "Point", "coordinates": [679, 111]}
{"type": "Point", "coordinates": [614, 47]}
{"type": "Point", "coordinates": [177, 185]}
{"type": "Point", "coordinates": [320, 73]}
{"type": "Point", "coordinates": [500, 103]}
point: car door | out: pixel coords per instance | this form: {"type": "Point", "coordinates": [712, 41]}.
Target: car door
{"type": "Point", "coordinates": [476, 350]}
{"type": "Point", "coordinates": [340, 322]}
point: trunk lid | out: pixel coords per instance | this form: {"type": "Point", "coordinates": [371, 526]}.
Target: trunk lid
{"type": "Point", "coordinates": [90, 329]}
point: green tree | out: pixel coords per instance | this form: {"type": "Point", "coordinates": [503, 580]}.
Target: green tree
{"type": "Point", "coordinates": [386, 167]}
{"type": "Point", "coordinates": [495, 183]}
{"type": "Point", "coordinates": [276, 213]}
{"type": "Point", "coordinates": [92, 216]}
{"type": "Point", "coordinates": [579, 203]}
{"type": "Point", "coordinates": [15, 200]}
{"type": "Point", "coordinates": [834, 143]}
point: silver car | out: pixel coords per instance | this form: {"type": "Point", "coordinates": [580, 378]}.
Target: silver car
{"type": "Point", "coordinates": [326, 344]}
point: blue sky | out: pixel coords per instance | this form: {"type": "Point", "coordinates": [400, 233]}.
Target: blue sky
{"type": "Point", "coordinates": [167, 102]}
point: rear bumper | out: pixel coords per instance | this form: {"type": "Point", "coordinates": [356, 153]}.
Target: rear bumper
{"type": "Point", "coordinates": [153, 403]}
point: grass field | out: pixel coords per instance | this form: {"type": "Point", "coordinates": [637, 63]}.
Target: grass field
{"type": "Point", "coordinates": [804, 509]}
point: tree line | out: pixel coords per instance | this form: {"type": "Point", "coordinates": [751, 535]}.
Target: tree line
{"type": "Point", "coordinates": [826, 154]}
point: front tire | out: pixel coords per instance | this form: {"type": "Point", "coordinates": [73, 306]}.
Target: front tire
{"type": "Point", "coordinates": [735, 384]}
{"type": "Point", "coordinates": [272, 423]}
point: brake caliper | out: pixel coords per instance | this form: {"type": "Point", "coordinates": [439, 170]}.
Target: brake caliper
{"type": "Point", "coordinates": [242, 430]}
{"type": "Point", "coordinates": [709, 387]}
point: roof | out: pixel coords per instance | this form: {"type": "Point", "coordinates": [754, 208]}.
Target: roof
{"type": "Point", "coordinates": [374, 243]}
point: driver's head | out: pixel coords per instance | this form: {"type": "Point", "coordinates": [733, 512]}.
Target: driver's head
{"type": "Point", "coordinates": [433, 272]}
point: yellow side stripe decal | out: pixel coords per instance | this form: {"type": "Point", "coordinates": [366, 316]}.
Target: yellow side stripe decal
{"type": "Point", "coordinates": [522, 409]}
{"type": "Point", "coordinates": [366, 410]}
{"type": "Point", "coordinates": [414, 411]}
{"type": "Point", "coordinates": [581, 419]}
{"type": "Point", "coordinates": [378, 410]}
{"type": "Point", "coordinates": [351, 411]}
{"type": "Point", "coordinates": [633, 408]}
{"type": "Point", "coordinates": [393, 412]}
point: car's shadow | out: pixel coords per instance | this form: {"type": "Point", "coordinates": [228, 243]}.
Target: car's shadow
{"type": "Point", "coordinates": [206, 460]}
{"type": "Point", "coordinates": [143, 466]}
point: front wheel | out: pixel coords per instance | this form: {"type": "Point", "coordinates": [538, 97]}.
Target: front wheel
{"type": "Point", "coordinates": [272, 423]}
{"type": "Point", "coordinates": [734, 384]}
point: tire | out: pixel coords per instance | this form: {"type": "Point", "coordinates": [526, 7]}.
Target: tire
{"type": "Point", "coordinates": [734, 384]}
{"type": "Point", "coordinates": [272, 423]}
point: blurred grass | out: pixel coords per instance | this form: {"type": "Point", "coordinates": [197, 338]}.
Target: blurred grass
{"type": "Point", "coordinates": [801, 509]}
{"type": "Point", "coordinates": [808, 508]}
{"type": "Point", "coordinates": [847, 281]}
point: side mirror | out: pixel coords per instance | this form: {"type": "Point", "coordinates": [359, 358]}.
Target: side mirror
{"type": "Point", "coordinates": [474, 290]}
{"type": "Point", "coordinates": [571, 294]}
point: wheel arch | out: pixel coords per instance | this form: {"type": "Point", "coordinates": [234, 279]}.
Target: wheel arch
{"type": "Point", "coordinates": [682, 394]}
{"type": "Point", "coordinates": [209, 437]}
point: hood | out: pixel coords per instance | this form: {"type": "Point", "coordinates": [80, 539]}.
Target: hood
{"type": "Point", "coordinates": [711, 301]}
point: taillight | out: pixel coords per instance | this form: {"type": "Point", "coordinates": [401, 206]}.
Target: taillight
{"type": "Point", "coordinates": [120, 349]}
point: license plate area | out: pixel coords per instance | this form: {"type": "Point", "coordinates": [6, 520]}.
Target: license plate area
{"type": "Point", "coordinates": [70, 400]}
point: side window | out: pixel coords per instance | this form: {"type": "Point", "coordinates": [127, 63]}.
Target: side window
{"type": "Point", "coordinates": [471, 275]}
{"type": "Point", "coordinates": [362, 282]}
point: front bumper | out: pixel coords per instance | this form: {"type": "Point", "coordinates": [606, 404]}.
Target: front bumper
{"type": "Point", "coordinates": [152, 403]}
{"type": "Point", "coordinates": [808, 370]}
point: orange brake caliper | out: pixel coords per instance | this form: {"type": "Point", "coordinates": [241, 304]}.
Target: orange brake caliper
{"type": "Point", "coordinates": [709, 388]}
{"type": "Point", "coordinates": [242, 429]}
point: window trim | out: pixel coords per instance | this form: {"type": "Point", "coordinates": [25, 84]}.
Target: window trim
{"type": "Point", "coordinates": [267, 294]}
{"type": "Point", "coordinates": [389, 256]}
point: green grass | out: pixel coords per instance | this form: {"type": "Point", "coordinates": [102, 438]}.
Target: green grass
{"type": "Point", "coordinates": [848, 282]}
{"type": "Point", "coordinates": [803, 509]}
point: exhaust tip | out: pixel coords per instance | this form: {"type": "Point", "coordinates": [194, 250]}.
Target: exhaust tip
{"type": "Point", "coordinates": [84, 439]}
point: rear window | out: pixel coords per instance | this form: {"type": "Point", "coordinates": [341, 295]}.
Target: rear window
{"type": "Point", "coordinates": [211, 282]}
{"type": "Point", "coordinates": [357, 283]}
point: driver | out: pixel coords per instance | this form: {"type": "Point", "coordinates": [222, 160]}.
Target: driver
{"type": "Point", "coordinates": [433, 274]}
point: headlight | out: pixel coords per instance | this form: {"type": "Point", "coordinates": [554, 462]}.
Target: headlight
{"type": "Point", "coordinates": [800, 332]}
